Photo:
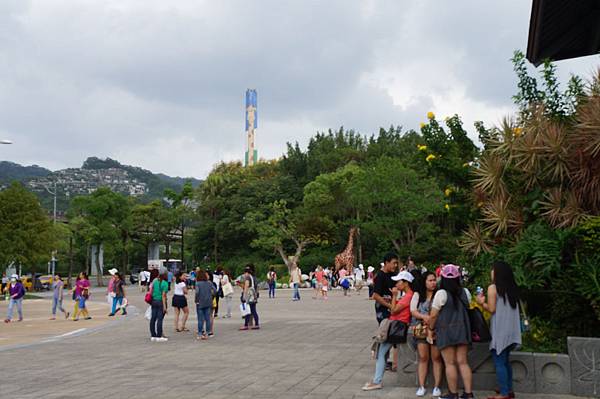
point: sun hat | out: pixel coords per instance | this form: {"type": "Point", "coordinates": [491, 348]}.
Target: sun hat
{"type": "Point", "coordinates": [16, 276]}
{"type": "Point", "coordinates": [361, 266]}
{"type": "Point", "coordinates": [113, 271]}
{"type": "Point", "coordinates": [370, 269]}
{"type": "Point", "coordinates": [404, 275]}
{"type": "Point", "coordinates": [450, 271]}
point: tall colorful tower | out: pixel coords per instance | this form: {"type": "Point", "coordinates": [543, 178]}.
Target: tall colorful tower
{"type": "Point", "coordinates": [251, 126]}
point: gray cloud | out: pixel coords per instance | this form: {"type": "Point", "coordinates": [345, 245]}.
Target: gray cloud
{"type": "Point", "coordinates": [161, 84]}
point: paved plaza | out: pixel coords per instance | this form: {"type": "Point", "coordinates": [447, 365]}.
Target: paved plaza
{"type": "Point", "coordinates": [306, 349]}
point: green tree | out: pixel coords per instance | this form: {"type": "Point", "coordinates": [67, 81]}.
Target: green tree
{"type": "Point", "coordinates": [26, 234]}
{"type": "Point", "coordinates": [397, 205]}
{"type": "Point", "coordinates": [282, 229]}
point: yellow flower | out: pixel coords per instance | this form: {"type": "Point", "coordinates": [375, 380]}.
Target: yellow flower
{"type": "Point", "coordinates": [430, 157]}
{"type": "Point", "coordinates": [517, 131]}
{"type": "Point", "coordinates": [422, 147]}
{"type": "Point", "coordinates": [465, 164]}
{"type": "Point", "coordinates": [422, 125]}
{"type": "Point", "coordinates": [430, 115]}
{"type": "Point", "coordinates": [447, 192]}
{"type": "Point", "coordinates": [447, 207]}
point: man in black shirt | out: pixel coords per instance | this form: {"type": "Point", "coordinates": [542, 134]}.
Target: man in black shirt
{"type": "Point", "coordinates": [383, 283]}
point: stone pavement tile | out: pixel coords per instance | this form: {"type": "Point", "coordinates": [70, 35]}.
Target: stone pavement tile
{"type": "Point", "coordinates": [311, 349]}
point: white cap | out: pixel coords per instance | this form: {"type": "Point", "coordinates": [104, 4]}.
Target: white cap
{"type": "Point", "coordinates": [370, 269]}
{"type": "Point", "coordinates": [15, 276]}
{"type": "Point", "coordinates": [112, 271]}
{"type": "Point", "coordinates": [404, 275]}
{"type": "Point", "coordinates": [361, 266]}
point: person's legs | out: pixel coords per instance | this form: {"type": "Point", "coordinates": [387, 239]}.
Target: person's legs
{"type": "Point", "coordinates": [380, 364]}
{"type": "Point", "coordinates": [114, 305]}
{"type": "Point", "coordinates": [207, 317]}
{"type": "Point", "coordinates": [11, 304]}
{"type": "Point", "coordinates": [509, 378]}
{"type": "Point", "coordinates": [20, 308]}
{"type": "Point", "coordinates": [436, 359]}
{"type": "Point", "coordinates": [217, 306]}
{"type": "Point", "coordinates": [60, 306]}
{"type": "Point", "coordinates": [54, 305]}
{"type": "Point", "coordinates": [186, 314]}
{"type": "Point", "coordinates": [247, 319]}
{"type": "Point", "coordinates": [254, 314]}
{"type": "Point", "coordinates": [200, 317]}
{"type": "Point", "coordinates": [159, 320]}
{"type": "Point", "coordinates": [423, 351]}
{"type": "Point", "coordinates": [76, 310]}
{"type": "Point", "coordinates": [465, 369]}
{"type": "Point", "coordinates": [153, 319]}
{"type": "Point", "coordinates": [500, 362]}
{"type": "Point", "coordinates": [176, 310]}
{"type": "Point", "coordinates": [228, 300]}
{"type": "Point", "coordinates": [449, 356]}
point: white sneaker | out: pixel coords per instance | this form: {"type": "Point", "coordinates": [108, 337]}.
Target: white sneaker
{"type": "Point", "coordinates": [421, 391]}
{"type": "Point", "coordinates": [153, 339]}
{"type": "Point", "coordinates": [436, 392]}
{"type": "Point", "coordinates": [162, 339]}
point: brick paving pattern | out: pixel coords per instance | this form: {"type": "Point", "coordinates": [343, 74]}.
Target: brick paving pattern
{"type": "Point", "coordinates": [307, 349]}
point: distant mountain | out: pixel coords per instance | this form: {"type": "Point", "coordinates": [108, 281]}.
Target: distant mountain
{"type": "Point", "coordinates": [94, 173]}
{"type": "Point", "coordinates": [157, 183]}
{"type": "Point", "coordinates": [10, 171]}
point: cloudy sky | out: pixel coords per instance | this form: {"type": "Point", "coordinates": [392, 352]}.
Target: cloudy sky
{"type": "Point", "coordinates": [160, 84]}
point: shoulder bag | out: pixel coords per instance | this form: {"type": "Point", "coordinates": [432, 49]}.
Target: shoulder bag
{"type": "Point", "coordinates": [398, 332]}
{"type": "Point", "coordinates": [148, 297]}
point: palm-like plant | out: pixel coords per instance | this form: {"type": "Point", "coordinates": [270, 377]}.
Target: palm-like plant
{"type": "Point", "coordinates": [476, 240]}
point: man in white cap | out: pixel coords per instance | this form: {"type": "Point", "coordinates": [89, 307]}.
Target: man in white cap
{"type": "Point", "coordinates": [359, 278]}
{"type": "Point", "coordinates": [370, 276]}
{"type": "Point", "coordinates": [110, 291]}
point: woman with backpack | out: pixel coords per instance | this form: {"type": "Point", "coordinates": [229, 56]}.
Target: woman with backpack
{"type": "Point", "coordinates": [205, 292]}
{"type": "Point", "coordinates": [250, 298]}
{"type": "Point", "coordinates": [159, 288]}
{"type": "Point", "coordinates": [449, 319]}
{"type": "Point", "coordinates": [272, 280]}
{"type": "Point", "coordinates": [505, 324]}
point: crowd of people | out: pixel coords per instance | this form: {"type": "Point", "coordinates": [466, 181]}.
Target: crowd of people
{"type": "Point", "coordinates": [430, 310]}
{"type": "Point", "coordinates": [210, 289]}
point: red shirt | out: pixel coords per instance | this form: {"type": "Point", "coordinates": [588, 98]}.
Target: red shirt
{"type": "Point", "coordinates": [404, 314]}
{"type": "Point", "coordinates": [319, 276]}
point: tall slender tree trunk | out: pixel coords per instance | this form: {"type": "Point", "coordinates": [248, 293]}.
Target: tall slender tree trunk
{"type": "Point", "coordinates": [183, 245]}
{"type": "Point", "coordinates": [70, 261]}
{"type": "Point", "coordinates": [215, 247]}
{"type": "Point", "coordinates": [87, 260]}
{"type": "Point", "coordinates": [98, 269]}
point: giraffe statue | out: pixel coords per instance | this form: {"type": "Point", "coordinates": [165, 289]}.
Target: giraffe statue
{"type": "Point", "coordinates": [345, 258]}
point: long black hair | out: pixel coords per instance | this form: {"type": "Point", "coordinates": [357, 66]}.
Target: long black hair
{"type": "Point", "coordinates": [505, 283]}
{"type": "Point", "coordinates": [453, 287]}
{"type": "Point", "coordinates": [423, 286]}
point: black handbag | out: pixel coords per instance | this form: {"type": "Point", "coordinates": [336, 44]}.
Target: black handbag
{"type": "Point", "coordinates": [480, 332]}
{"type": "Point", "coordinates": [398, 332]}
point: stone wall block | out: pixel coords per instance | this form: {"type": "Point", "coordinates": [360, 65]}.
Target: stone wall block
{"type": "Point", "coordinates": [584, 354]}
{"type": "Point", "coordinates": [552, 373]}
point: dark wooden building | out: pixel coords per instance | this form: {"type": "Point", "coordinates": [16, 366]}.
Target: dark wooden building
{"type": "Point", "coordinates": [561, 29]}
